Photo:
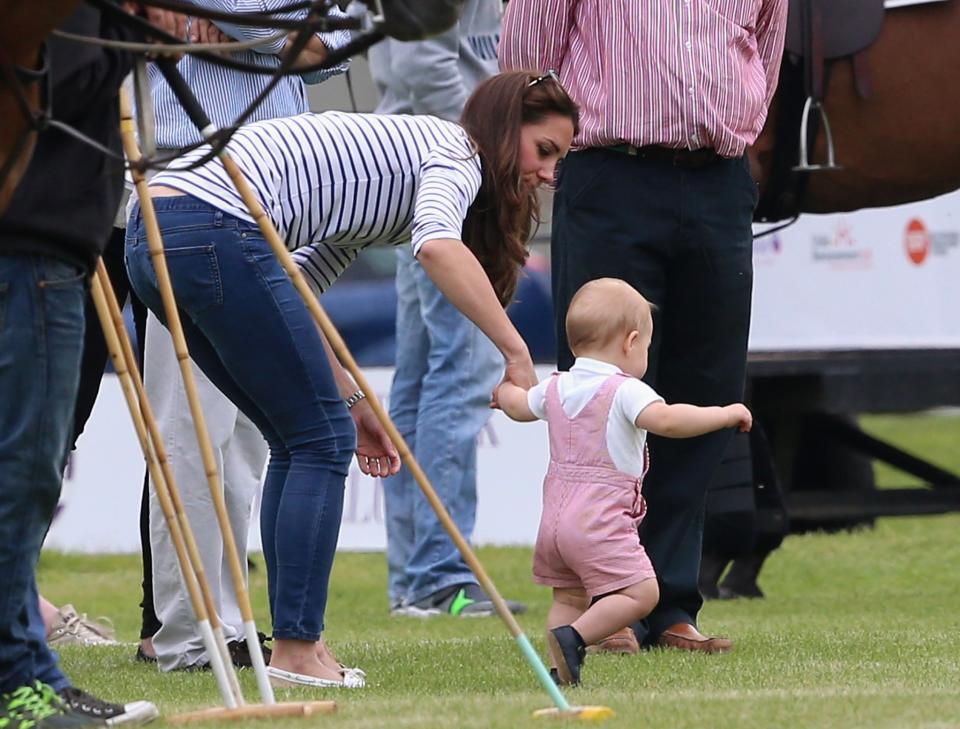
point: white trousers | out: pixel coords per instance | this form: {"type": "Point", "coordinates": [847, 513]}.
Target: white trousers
{"type": "Point", "coordinates": [241, 454]}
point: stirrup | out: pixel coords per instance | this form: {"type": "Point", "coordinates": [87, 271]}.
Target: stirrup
{"type": "Point", "coordinates": [804, 165]}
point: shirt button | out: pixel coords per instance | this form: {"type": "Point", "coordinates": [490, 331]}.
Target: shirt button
{"type": "Point", "coordinates": [688, 44]}
{"type": "Point", "coordinates": [691, 90]}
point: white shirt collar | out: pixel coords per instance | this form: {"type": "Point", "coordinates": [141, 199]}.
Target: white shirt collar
{"type": "Point", "coordinates": [588, 365]}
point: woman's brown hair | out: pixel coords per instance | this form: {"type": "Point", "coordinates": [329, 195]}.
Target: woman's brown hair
{"type": "Point", "coordinates": [499, 222]}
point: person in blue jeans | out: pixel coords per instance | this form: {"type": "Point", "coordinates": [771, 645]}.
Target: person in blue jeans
{"type": "Point", "coordinates": [54, 229]}
{"type": "Point", "coordinates": [41, 331]}
{"type": "Point", "coordinates": [446, 368]}
{"type": "Point", "coordinates": [463, 196]}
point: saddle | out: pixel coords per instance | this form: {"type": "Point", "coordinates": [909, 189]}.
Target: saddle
{"type": "Point", "coordinates": [819, 33]}
{"type": "Point", "coordinates": [841, 27]}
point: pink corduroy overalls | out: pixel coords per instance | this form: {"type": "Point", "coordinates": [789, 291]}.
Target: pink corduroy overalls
{"type": "Point", "coordinates": [591, 510]}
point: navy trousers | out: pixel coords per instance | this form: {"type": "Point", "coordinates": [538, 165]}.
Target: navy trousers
{"type": "Point", "coordinates": [682, 237]}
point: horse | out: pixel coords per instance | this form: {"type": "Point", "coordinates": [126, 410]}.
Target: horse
{"type": "Point", "coordinates": [25, 25]}
{"type": "Point", "coordinates": [893, 108]}
{"type": "Point", "coordinates": [897, 141]}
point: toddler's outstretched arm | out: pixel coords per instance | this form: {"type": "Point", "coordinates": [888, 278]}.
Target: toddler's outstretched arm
{"type": "Point", "coordinates": [686, 421]}
{"type": "Point", "coordinates": [513, 401]}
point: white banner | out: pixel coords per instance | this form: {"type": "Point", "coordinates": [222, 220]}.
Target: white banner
{"type": "Point", "coordinates": [873, 279]}
{"type": "Point", "coordinates": [101, 492]}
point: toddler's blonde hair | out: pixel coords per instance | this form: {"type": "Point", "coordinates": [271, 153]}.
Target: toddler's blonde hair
{"type": "Point", "coordinates": [602, 311]}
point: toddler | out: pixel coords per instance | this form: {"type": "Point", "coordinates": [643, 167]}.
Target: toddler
{"type": "Point", "coordinates": [598, 415]}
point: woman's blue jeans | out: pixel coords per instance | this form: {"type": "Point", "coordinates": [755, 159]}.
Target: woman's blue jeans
{"type": "Point", "coordinates": [248, 329]}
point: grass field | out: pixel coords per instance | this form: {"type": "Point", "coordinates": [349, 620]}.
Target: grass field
{"type": "Point", "coordinates": [857, 630]}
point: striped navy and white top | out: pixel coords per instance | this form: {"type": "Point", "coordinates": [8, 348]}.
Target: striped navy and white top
{"type": "Point", "coordinates": [335, 183]}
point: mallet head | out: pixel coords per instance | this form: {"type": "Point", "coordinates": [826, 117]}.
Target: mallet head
{"type": "Point", "coordinates": [580, 713]}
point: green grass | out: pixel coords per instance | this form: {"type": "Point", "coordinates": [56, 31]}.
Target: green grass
{"type": "Point", "coordinates": [857, 630]}
{"type": "Point", "coordinates": [932, 436]}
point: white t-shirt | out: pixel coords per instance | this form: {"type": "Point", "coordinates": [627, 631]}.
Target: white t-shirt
{"type": "Point", "coordinates": [625, 441]}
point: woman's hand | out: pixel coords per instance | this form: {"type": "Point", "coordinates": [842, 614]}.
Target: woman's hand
{"type": "Point", "coordinates": [520, 372]}
{"type": "Point", "coordinates": [376, 454]}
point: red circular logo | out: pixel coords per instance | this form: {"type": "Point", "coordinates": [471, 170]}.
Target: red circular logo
{"type": "Point", "coordinates": [916, 240]}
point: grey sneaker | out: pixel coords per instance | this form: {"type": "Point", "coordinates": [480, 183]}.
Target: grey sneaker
{"type": "Point", "coordinates": [84, 704]}
{"type": "Point", "coordinates": [467, 600]}
{"type": "Point", "coordinates": [406, 609]}
{"type": "Point", "coordinates": [73, 628]}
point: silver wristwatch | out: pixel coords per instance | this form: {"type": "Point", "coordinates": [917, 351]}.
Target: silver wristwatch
{"type": "Point", "coordinates": [354, 399]}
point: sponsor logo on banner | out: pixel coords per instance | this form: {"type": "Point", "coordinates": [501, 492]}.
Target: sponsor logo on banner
{"type": "Point", "coordinates": [917, 241]}
{"type": "Point", "coordinates": [841, 250]}
{"type": "Point", "coordinates": [921, 243]}
{"type": "Point", "coordinates": [767, 249]}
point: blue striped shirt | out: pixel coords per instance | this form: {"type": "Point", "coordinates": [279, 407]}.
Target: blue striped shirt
{"type": "Point", "coordinates": [225, 93]}
{"type": "Point", "coordinates": [335, 183]}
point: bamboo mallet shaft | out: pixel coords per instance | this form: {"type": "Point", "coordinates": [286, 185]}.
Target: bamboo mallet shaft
{"type": "Point", "coordinates": [199, 118]}
{"type": "Point", "coordinates": [165, 286]}
{"type": "Point", "coordinates": [118, 344]}
{"type": "Point", "coordinates": [346, 358]}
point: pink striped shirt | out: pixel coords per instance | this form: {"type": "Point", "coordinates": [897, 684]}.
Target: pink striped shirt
{"type": "Point", "coordinates": [678, 73]}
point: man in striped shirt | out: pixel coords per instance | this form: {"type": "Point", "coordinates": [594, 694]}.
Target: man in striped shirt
{"type": "Point", "coordinates": [240, 449]}
{"type": "Point", "coordinates": [659, 192]}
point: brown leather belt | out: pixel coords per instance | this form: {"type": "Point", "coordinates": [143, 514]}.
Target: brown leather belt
{"type": "Point", "coordinates": [686, 158]}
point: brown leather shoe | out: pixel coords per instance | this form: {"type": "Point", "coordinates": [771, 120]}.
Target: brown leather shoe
{"type": "Point", "coordinates": [623, 642]}
{"type": "Point", "coordinates": [687, 638]}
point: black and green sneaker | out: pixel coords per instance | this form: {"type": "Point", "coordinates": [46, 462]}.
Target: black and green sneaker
{"type": "Point", "coordinates": [37, 706]}
{"type": "Point", "coordinates": [464, 600]}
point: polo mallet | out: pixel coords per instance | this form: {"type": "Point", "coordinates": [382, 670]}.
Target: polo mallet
{"type": "Point", "coordinates": [236, 708]}
{"type": "Point", "coordinates": [125, 365]}
{"type": "Point", "coordinates": [562, 707]}
{"type": "Point", "coordinates": [127, 131]}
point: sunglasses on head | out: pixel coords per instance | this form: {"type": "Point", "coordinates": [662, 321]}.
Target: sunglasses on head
{"type": "Point", "coordinates": [549, 74]}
